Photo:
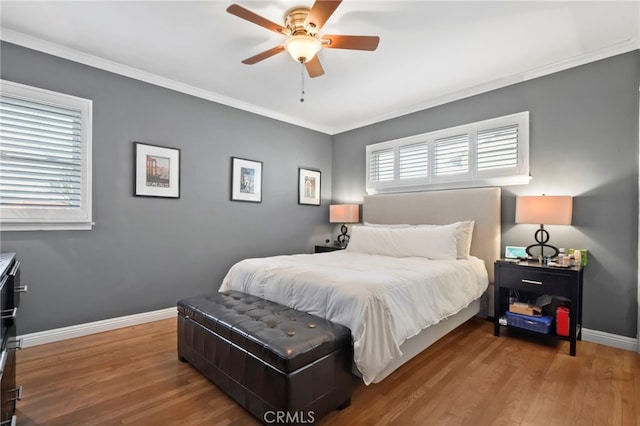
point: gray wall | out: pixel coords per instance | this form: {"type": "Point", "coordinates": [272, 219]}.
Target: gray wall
{"type": "Point", "coordinates": [584, 142]}
{"type": "Point", "coordinates": [146, 253]}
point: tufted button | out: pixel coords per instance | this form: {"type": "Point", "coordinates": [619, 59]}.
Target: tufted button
{"type": "Point", "coordinates": [312, 325]}
{"type": "Point", "coordinates": [291, 333]}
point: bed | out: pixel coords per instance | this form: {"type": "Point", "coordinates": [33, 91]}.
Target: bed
{"type": "Point", "coordinates": [375, 294]}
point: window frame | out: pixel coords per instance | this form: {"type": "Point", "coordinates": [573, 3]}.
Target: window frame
{"type": "Point", "coordinates": [517, 175]}
{"type": "Point", "coordinates": [27, 218]}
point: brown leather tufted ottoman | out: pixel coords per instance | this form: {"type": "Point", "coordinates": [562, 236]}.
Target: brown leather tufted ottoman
{"type": "Point", "coordinates": [278, 363]}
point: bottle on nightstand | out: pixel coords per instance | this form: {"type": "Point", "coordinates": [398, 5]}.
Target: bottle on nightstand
{"type": "Point", "coordinates": [562, 321]}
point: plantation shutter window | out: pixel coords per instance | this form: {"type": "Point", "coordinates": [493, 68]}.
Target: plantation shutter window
{"type": "Point", "coordinates": [498, 148]}
{"type": "Point", "coordinates": [44, 159]}
{"type": "Point", "coordinates": [414, 161]}
{"type": "Point", "coordinates": [41, 154]}
{"type": "Point", "coordinates": [491, 152]}
{"type": "Point", "coordinates": [452, 155]}
{"type": "Point", "coordinates": [381, 167]}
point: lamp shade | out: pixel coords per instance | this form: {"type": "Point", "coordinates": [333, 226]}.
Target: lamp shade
{"type": "Point", "coordinates": [544, 209]}
{"type": "Point", "coordinates": [344, 213]}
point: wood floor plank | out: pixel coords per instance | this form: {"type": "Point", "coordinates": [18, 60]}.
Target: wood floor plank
{"type": "Point", "coordinates": [132, 376]}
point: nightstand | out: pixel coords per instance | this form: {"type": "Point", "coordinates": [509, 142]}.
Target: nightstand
{"type": "Point", "coordinates": [324, 249]}
{"type": "Point", "coordinates": [536, 279]}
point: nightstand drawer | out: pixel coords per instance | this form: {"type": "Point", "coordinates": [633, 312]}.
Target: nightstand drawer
{"type": "Point", "coordinates": [536, 281]}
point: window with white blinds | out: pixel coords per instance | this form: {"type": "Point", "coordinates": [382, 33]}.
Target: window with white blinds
{"type": "Point", "coordinates": [382, 165]}
{"type": "Point", "coordinates": [451, 155]}
{"type": "Point", "coordinates": [498, 148]}
{"type": "Point", "coordinates": [487, 153]}
{"type": "Point", "coordinates": [414, 161]}
{"type": "Point", "coordinates": [45, 159]}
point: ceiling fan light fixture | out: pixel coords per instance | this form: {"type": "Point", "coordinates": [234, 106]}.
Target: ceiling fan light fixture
{"type": "Point", "coordinates": [302, 48]}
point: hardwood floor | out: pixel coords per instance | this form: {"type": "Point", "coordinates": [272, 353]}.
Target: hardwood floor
{"type": "Point", "coordinates": [470, 377]}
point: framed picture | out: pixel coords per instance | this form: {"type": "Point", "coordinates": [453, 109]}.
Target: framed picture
{"type": "Point", "coordinates": [308, 186]}
{"type": "Point", "coordinates": [246, 180]}
{"type": "Point", "coordinates": [157, 171]}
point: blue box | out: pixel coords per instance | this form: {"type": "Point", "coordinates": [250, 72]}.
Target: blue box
{"type": "Point", "coordinates": [540, 324]}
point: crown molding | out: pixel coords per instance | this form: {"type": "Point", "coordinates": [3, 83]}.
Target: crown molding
{"type": "Point", "coordinates": [74, 55]}
{"type": "Point", "coordinates": [48, 47]}
{"type": "Point", "coordinates": [596, 55]}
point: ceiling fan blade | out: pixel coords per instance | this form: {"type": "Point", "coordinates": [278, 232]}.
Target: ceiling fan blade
{"type": "Point", "coordinates": [351, 42]}
{"type": "Point", "coordinates": [320, 13]}
{"type": "Point", "coordinates": [248, 15]}
{"type": "Point", "coordinates": [314, 68]}
{"type": "Point", "coordinates": [264, 55]}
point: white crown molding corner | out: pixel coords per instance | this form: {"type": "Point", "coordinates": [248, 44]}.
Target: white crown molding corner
{"type": "Point", "coordinates": [64, 333]}
{"type": "Point", "coordinates": [608, 339]}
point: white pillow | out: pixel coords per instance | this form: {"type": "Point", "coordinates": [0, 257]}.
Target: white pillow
{"type": "Point", "coordinates": [384, 225]}
{"type": "Point", "coordinates": [464, 234]}
{"type": "Point", "coordinates": [430, 242]}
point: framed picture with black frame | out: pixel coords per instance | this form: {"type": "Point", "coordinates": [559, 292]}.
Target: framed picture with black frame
{"type": "Point", "coordinates": [246, 180]}
{"type": "Point", "coordinates": [309, 181]}
{"type": "Point", "coordinates": [156, 171]}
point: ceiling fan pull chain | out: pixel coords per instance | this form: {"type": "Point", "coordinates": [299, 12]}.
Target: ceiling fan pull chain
{"type": "Point", "coordinates": [302, 78]}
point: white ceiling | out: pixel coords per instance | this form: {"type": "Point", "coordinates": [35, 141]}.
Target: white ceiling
{"type": "Point", "coordinates": [430, 52]}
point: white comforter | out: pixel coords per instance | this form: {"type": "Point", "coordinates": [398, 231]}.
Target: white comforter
{"type": "Point", "coordinates": [383, 300]}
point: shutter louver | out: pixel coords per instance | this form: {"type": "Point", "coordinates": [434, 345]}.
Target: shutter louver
{"type": "Point", "coordinates": [451, 155]}
{"type": "Point", "coordinates": [498, 148]}
{"type": "Point", "coordinates": [381, 165]}
{"type": "Point", "coordinates": [41, 155]}
{"type": "Point", "coordinates": [414, 160]}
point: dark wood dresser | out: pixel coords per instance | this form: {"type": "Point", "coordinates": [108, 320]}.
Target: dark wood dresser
{"type": "Point", "coordinates": [10, 290]}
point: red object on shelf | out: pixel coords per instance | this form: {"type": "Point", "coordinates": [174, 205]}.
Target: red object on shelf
{"type": "Point", "coordinates": [562, 321]}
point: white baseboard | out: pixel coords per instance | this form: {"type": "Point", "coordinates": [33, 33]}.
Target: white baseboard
{"type": "Point", "coordinates": [58, 334]}
{"type": "Point", "coordinates": [608, 339]}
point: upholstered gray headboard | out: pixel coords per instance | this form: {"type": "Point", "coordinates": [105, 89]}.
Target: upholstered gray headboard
{"type": "Point", "coordinates": [442, 207]}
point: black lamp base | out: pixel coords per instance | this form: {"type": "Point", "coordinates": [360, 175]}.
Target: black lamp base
{"type": "Point", "coordinates": [343, 238]}
{"type": "Point", "coordinates": [542, 237]}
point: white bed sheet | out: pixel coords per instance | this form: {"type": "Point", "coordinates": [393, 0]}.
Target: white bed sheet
{"type": "Point", "coordinates": [383, 300]}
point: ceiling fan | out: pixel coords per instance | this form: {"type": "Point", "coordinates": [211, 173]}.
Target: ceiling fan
{"type": "Point", "coordinates": [301, 26]}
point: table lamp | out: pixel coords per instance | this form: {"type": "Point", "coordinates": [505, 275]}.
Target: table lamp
{"type": "Point", "coordinates": [344, 213]}
{"type": "Point", "coordinates": [544, 210]}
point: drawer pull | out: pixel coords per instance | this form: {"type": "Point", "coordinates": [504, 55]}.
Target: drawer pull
{"type": "Point", "coordinates": [12, 315]}
{"type": "Point", "coordinates": [532, 282]}
{"type": "Point", "coordinates": [18, 391]}
{"type": "Point", "coordinates": [12, 422]}
{"type": "Point", "coordinates": [22, 289]}
{"type": "Point", "coordinates": [14, 270]}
